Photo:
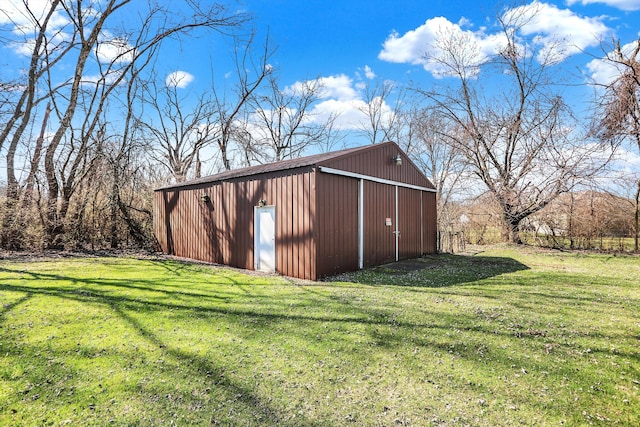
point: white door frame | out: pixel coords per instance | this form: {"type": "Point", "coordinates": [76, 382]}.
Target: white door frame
{"type": "Point", "coordinates": [360, 223]}
{"type": "Point", "coordinates": [397, 230]}
{"type": "Point", "coordinates": [258, 245]}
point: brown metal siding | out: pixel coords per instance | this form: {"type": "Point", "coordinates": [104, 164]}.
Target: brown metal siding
{"type": "Point", "coordinates": [160, 223]}
{"type": "Point", "coordinates": [177, 212]}
{"type": "Point", "coordinates": [337, 212]}
{"type": "Point", "coordinates": [337, 219]}
{"type": "Point", "coordinates": [221, 231]}
{"type": "Point", "coordinates": [429, 221]}
{"type": "Point", "coordinates": [409, 242]}
{"type": "Point", "coordinates": [316, 215]}
{"type": "Point", "coordinates": [379, 240]}
{"type": "Point", "coordinates": [294, 199]}
{"type": "Point", "coordinates": [377, 162]}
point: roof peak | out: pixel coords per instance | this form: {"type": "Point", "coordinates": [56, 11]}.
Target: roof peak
{"type": "Point", "coordinates": [305, 161]}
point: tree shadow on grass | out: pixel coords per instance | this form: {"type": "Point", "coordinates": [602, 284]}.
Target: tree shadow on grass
{"type": "Point", "coordinates": [88, 291]}
{"type": "Point", "coordinates": [259, 407]}
{"type": "Point", "coordinates": [275, 316]}
{"type": "Point", "coordinates": [435, 271]}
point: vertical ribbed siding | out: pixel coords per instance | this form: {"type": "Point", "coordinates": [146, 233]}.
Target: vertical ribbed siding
{"type": "Point", "coordinates": [184, 223]}
{"type": "Point", "coordinates": [284, 238]}
{"type": "Point", "coordinates": [409, 223]}
{"type": "Point", "coordinates": [221, 231]}
{"type": "Point", "coordinates": [430, 221]}
{"type": "Point", "coordinates": [295, 225]}
{"type": "Point", "coordinates": [316, 216]}
{"type": "Point", "coordinates": [379, 240]}
{"type": "Point", "coordinates": [378, 162]}
{"type": "Point", "coordinates": [338, 242]}
{"type": "Point", "coordinates": [160, 221]}
{"type": "Point", "coordinates": [415, 238]}
{"type": "Point", "coordinates": [337, 221]}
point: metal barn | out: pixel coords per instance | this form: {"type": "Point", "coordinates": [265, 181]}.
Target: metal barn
{"type": "Point", "coordinates": [308, 218]}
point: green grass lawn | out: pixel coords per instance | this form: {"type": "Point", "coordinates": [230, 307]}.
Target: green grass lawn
{"type": "Point", "coordinates": [505, 337]}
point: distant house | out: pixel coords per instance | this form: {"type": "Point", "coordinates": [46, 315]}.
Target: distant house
{"type": "Point", "coordinates": [308, 218]}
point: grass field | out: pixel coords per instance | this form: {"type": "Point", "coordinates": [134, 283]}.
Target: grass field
{"type": "Point", "coordinates": [508, 336]}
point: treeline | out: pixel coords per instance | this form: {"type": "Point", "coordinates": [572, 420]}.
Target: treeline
{"type": "Point", "coordinates": [588, 220]}
{"type": "Point", "coordinates": [88, 126]}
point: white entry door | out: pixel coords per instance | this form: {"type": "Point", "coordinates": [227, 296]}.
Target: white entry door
{"type": "Point", "coordinates": [265, 238]}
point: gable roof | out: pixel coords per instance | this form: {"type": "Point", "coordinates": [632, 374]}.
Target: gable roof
{"type": "Point", "coordinates": [312, 160]}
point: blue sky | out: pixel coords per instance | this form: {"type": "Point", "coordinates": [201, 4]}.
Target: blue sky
{"type": "Point", "coordinates": [326, 38]}
{"type": "Point", "coordinates": [329, 38]}
{"type": "Point", "coordinates": [349, 44]}
{"type": "Point", "coordinates": [352, 43]}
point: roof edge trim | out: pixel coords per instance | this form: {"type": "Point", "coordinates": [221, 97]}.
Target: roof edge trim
{"type": "Point", "coordinates": [333, 171]}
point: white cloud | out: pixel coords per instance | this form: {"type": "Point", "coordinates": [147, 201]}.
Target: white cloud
{"type": "Point", "coordinates": [557, 33]}
{"type": "Point", "coordinates": [179, 79]}
{"type": "Point", "coordinates": [349, 113]}
{"type": "Point", "coordinates": [341, 97]}
{"type": "Point", "coordinates": [96, 80]}
{"type": "Point", "coordinates": [411, 47]}
{"type": "Point", "coordinates": [114, 49]}
{"type": "Point", "coordinates": [362, 75]}
{"type": "Point", "coordinates": [603, 71]}
{"type": "Point", "coordinates": [428, 40]}
{"type": "Point", "coordinates": [368, 73]}
{"type": "Point", "coordinates": [627, 5]}
{"type": "Point", "coordinates": [15, 13]}
{"type": "Point", "coordinates": [25, 48]}
{"type": "Point", "coordinates": [338, 87]}
{"type": "Point", "coordinates": [630, 160]}
{"type": "Point", "coordinates": [360, 85]}
{"type": "Point", "coordinates": [23, 23]}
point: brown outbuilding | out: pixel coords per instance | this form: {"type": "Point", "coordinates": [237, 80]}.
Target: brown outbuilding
{"type": "Point", "coordinates": [308, 218]}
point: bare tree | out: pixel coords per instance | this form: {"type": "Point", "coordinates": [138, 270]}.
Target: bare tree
{"type": "Point", "coordinates": [180, 128]}
{"type": "Point", "coordinates": [178, 133]}
{"type": "Point", "coordinates": [520, 141]}
{"type": "Point", "coordinates": [123, 162]}
{"type": "Point", "coordinates": [79, 101]}
{"type": "Point", "coordinates": [283, 120]}
{"type": "Point", "coordinates": [587, 219]}
{"type": "Point", "coordinates": [617, 114]}
{"type": "Point", "coordinates": [231, 114]}
{"type": "Point", "coordinates": [45, 54]}
{"type": "Point", "coordinates": [382, 122]}
{"type": "Point", "coordinates": [444, 163]}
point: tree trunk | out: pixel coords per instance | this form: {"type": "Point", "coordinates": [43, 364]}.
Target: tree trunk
{"type": "Point", "coordinates": [224, 156]}
{"type": "Point", "coordinates": [35, 160]}
{"type": "Point", "coordinates": [113, 214]}
{"type": "Point", "coordinates": [11, 227]}
{"type": "Point", "coordinates": [11, 237]}
{"type": "Point", "coordinates": [512, 230]}
{"type": "Point", "coordinates": [55, 229]}
{"type": "Point", "coordinates": [637, 220]}
{"type": "Point", "coordinates": [198, 165]}
{"type": "Point", "coordinates": [135, 229]}
{"type": "Point", "coordinates": [571, 233]}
